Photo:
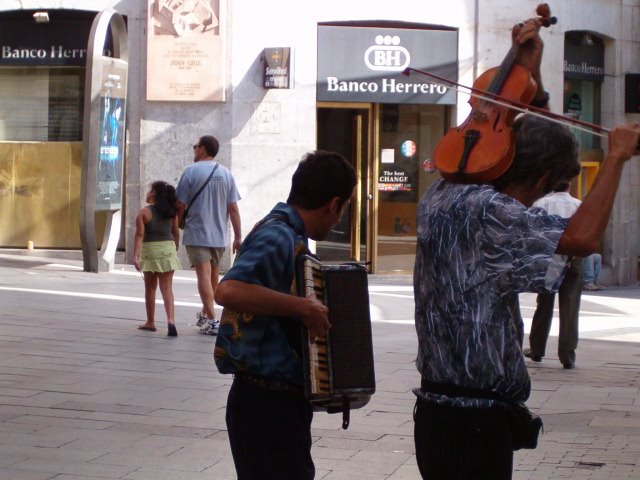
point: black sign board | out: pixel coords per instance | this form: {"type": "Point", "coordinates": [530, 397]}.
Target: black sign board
{"type": "Point", "coordinates": [583, 58]}
{"type": "Point", "coordinates": [60, 42]}
{"type": "Point", "coordinates": [365, 64]}
{"type": "Point", "coordinates": [277, 67]}
{"type": "Point", "coordinates": [632, 93]}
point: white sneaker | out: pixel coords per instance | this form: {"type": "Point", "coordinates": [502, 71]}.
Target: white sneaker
{"type": "Point", "coordinates": [201, 319]}
{"type": "Point", "coordinates": [211, 327]}
{"type": "Point", "coordinates": [590, 287]}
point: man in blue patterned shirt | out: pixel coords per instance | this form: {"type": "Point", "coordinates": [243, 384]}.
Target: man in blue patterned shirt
{"type": "Point", "coordinates": [479, 245]}
{"type": "Point", "coordinates": [259, 341]}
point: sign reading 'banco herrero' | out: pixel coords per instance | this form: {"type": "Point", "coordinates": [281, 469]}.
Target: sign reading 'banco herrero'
{"type": "Point", "coordinates": [48, 56]}
{"type": "Point", "coordinates": [365, 64]}
{"type": "Point", "coordinates": [60, 43]}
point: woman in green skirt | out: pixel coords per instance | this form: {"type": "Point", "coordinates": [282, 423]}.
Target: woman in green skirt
{"type": "Point", "coordinates": [154, 251]}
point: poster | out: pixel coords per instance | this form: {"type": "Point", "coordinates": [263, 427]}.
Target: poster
{"type": "Point", "coordinates": [111, 135]}
{"type": "Point", "coordinates": [185, 50]}
{"type": "Point", "coordinates": [394, 180]}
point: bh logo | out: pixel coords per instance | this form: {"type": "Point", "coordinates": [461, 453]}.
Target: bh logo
{"type": "Point", "coordinates": [387, 55]}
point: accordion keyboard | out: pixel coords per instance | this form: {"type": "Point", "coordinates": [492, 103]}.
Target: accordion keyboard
{"type": "Point", "coordinates": [318, 354]}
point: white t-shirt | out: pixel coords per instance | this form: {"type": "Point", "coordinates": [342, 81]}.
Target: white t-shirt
{"type": "Point", "coordinates": [559, 203]}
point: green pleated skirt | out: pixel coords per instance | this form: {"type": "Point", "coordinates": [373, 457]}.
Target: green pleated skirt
{"type": "Point", "coordinates": [159, 257]}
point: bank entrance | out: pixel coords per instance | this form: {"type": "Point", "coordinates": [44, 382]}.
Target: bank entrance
{"type": "Point", "coordinates": [390, 147]}
{"type": "Point", "coordinates": [387, 125]}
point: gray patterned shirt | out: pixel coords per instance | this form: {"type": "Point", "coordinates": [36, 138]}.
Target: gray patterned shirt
{"type": "Point", "coordinates": [477, 249]}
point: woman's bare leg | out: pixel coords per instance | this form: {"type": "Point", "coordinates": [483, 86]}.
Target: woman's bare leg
{"type": "Point", "coordinates": [150, 285]}
{"type": "Point", "coordinates": [166, 289]}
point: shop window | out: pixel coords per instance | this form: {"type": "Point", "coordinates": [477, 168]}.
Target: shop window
{"type": "Point", "coordinates": [582, 101]}
{"type": "Point", "coordinates": [409, 133]}
{"type": "Point", "coordinates": [41, 104]}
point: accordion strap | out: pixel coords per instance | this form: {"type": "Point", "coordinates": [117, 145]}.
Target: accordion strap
{"type": "Point", "coordinates": [273, 217]}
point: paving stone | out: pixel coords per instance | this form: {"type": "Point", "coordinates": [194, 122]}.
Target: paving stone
{"type": "Point", "coordinates": [71, 468]}
{"type": "Point", "coordinates": [11, 474]}
{"type": "Point", "coordinates": [406, 472]}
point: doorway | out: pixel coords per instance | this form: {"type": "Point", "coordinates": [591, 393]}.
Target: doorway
{"type": "Point", "coordinates": [408, 135]}
{"type": "Point", "coordinates": [390, 146]}
{"type": "Point", "coordinates": [347, 130]}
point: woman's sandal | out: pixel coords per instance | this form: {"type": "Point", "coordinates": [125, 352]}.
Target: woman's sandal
{"type": "Point", "coordinates": [146, 327]}
{"type": "Point", "coordinates": [171, 330]}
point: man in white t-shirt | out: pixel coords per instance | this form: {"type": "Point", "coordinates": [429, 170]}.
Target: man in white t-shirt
{"type": "Point", "coordinates": [560, 203]}
{"type": "Point", "coordinates": [205, 234]}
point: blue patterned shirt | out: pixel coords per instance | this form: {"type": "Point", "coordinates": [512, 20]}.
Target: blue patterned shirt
{"type": "Point", "coordinates": [263, 344]}
{"type": "Point", "coordinates": [477, 249]}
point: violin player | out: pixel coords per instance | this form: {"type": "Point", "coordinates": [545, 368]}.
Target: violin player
{"type": "Point", "coordinates": [479, 245]}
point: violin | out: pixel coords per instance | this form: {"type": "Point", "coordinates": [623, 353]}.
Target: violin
{"type": "Point", "coordinates": [482, 147]}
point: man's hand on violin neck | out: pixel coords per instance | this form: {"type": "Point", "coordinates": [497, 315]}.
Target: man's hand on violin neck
{"type": "Point", "coordinates": [624, 141]}
{"type": "Point", "coordinates": [526, 37]}
{"type": "Point", "coordinates": [527, 30]}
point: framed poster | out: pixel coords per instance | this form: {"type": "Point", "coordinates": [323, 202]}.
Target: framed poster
{"type": "Point", "coordinates": [186, 50]}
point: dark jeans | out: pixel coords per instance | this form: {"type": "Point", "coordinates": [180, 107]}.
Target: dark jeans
{"type": "Point", "coordinates": [269, 433]}
{"type": "Point", "coordinates": [454, 443]}
{"type": "Point", "coordinates": [569, 308]}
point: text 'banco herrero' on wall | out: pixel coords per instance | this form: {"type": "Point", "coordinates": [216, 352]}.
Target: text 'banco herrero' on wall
{"type": "Point", "coordinates": [52, 53]}
{"type": "Point", "coordinates": [385, 85]}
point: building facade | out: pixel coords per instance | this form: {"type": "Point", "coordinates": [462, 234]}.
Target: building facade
{"type": "Point", "coordinates": [274, 80]}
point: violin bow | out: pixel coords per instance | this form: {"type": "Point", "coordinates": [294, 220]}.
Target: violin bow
{"type": "Point", "coordinates": [505, 102]}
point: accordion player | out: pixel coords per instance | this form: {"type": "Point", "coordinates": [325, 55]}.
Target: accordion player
{"type": "Point", "coordinates": [339, 368]}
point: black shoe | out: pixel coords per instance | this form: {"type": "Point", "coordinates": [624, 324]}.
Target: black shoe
{"type": "Point", "coordinates": [535, 358]}
{"type": "Point", "coordinates": [171, 330]}
{"type": "Point", "coordinates": [568, 366]}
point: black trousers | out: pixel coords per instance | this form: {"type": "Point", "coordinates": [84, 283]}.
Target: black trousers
{"type": "Point", "coordinates": [269, 433]}
{"type": "Point", "coordinates": [454, 443]}
{"type": "Point", "coordinates": [569, 295]}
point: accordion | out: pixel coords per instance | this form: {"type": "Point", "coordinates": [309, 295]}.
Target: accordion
{"type": "Point", "coordinates": [338, 369]}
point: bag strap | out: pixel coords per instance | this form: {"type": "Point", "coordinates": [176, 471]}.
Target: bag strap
{"type": "Point", "coordinates": [272, 217]}
{"type": "Point", "coordinates": [202, 187]}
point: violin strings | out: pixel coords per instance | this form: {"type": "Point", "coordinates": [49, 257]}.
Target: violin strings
{"type": "Point", "coordinates": [534, 113]}
{"type": "Point", "coordinates": [446, 83]}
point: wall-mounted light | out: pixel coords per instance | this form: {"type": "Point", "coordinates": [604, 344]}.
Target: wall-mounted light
{"type": "Point", "coordinates": [587, 40]}
{"type": "Point", "coordinates": [41, 17]}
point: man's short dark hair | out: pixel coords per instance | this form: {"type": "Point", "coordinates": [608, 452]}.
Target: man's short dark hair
{"type": "Point", "coordinates": [321, 176]}
{"type": "Point", "coordinates": [542, 147]}
{"type": "Point", "coordinates": [562, 186]}
{"type": "Point", "coordinates": [210, 144]}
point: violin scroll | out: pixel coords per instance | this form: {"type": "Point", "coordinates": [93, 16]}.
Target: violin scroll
{"type": "Point", "coordinates": [544, 12]}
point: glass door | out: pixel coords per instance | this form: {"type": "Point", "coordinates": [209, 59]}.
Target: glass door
{"type": "Point", "coordinates": [408, 135]}
{"type": "Point", "coordinates": [345, 129]}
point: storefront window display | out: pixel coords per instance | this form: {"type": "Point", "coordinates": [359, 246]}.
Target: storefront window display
{"type": "Point", "coordinates": [41, 104]}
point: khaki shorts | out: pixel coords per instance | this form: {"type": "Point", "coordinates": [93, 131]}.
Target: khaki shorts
{"type": "Point", "coordinates": [204, 254]}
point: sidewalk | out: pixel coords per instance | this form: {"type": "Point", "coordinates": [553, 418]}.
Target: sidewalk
{"type": "Point", "coordinates": [84, 395]}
